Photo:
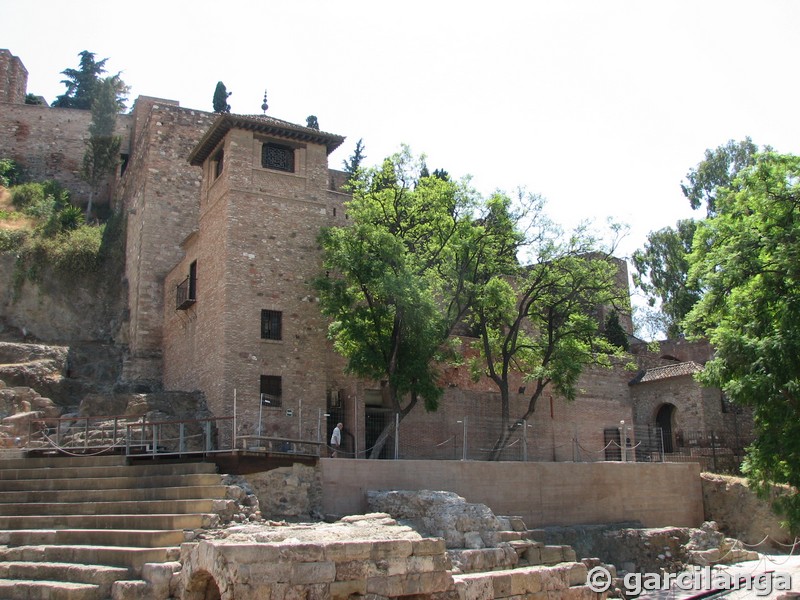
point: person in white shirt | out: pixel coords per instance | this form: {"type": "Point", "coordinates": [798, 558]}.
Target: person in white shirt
{"type": "Point", "coordinates": [336, 439]}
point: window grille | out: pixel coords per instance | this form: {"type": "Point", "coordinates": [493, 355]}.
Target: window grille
{"type": "Point", "coordinates": [274, 156]}
{"type": "Point", "coordinates": [271, 324]}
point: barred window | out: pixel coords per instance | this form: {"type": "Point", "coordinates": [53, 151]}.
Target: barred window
{"type": "Point", "coordinates": [271, 324]}
{"type": "Point", "coordinates": [271, 390]}
{"type": "Point", "coordinates": [274, 156]}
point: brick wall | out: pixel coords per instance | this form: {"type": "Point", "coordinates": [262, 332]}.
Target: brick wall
{"type": "Point", "coordinates": [160, 192]}
{"type": "Point", "coordinates": [49, 143]}
{"type": "Point", "coordinates": [13, 78]}
{"type": "Point", "coordinates": [256, 249]}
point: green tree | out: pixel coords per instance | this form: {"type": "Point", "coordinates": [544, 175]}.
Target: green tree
{"type": "Point", "coordinates": [398, 279]}
{"type": "Point", "coordinates": [614, 332]}
{"type": "Point", "coordinates": [746, 259]}
{"type": "Point", "coordinates": [352, 165]}
{"type": "Point", "coordinates": [33, 99]}
{"type": "Point", "coordinates": [662, 265]}
{"type": "Point", "coordinates": [661, 272]}
{"type": "Point", "coordinates": [539, 322]}
{"type": "Point", "coordinates": [716, 172]}
{"type": "Point", "coordinates": [10, 172]}
{"type": "Point", "coordinates": [221, 95]}
{"type": "Point", "coordinates": [82, 84]}
{"type": "Point", "coordinates": [102, 147]}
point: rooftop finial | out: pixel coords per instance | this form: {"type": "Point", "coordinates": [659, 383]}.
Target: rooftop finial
{"type": "Point", "coordinates": [265, 106]}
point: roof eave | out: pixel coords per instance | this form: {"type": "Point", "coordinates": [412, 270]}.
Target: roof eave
{"type": "Point", "coordinates": [226, 122]}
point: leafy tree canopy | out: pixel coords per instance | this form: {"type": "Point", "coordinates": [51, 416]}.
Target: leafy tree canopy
{"type": "Point", "coordinates": [102, 147]}
{"type": "Point", "coordinates": [716, 172]}
{"type": "Point", "coordinates": [82, 84]}
{"type": "Point", "coordinates": [540, 322]}
{"type": "Point", "coordinates": [661, 272]}
{"type": "Point", "coordinates": [352, 165]}
{"type": "Point", "coordinates": [400, 277]}
{"type": "Point", "coordinates": [746, 258]}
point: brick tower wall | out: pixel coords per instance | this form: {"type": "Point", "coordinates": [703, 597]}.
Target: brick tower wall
{"type": "Point", "coordinates": [160, 194]}
{"type": "Point", "coordinates": [13, 78]}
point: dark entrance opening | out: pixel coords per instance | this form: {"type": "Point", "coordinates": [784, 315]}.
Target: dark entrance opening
{"type": "Point", "coordinates": [375, 421]}
{"type": "Point", "coordinates": [611, 439]}
{"type": "Point", "coordinates": [664, 419]}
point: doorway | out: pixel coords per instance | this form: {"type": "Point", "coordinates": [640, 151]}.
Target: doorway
{"type": "Point", "coordinates": [665, 417]}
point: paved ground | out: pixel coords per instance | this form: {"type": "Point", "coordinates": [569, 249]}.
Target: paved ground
{"type": "Point", "coordinates": [765, 578]}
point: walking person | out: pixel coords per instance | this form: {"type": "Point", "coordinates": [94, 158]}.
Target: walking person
{"type": "Point", "coordinates": [336, 439]}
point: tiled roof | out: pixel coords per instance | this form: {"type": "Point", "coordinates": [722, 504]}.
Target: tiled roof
{"type": "Point", "coordinates": [260, 124]}
{"type": "Point", "coordinates": [666, 372]}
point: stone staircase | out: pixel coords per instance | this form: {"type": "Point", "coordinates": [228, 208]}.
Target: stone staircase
{"type": "Point", "coordinates": [94, 528]}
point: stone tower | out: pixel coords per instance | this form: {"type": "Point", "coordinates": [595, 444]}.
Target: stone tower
{"type": "Point", "coordinates": [13, 78]}
{"type": "Point", "coordinates": [240, 316]}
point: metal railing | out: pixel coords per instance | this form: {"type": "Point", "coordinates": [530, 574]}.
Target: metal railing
{"type": "Point", "coordinates": [183, 296]}
{"type": "Point", "coordinates": [130, 435]}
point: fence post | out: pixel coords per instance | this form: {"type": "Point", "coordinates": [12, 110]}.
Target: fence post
{"type": "Point", "coordinates": [623, 443]}
{"type": "Point", "coordinates": [396, 435]}
{"type": "Point", "coordinates": [524, 440]}
{"type": "Point", "coordinates": [182, 438]}
{"type": "Point", "coordinates": [714, 450]}
{"type": "Point", "coordinates": [464, 441]}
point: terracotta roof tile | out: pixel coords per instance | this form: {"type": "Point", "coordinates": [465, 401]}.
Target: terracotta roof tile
{"type": "Point", "coordinates": [666, 372]}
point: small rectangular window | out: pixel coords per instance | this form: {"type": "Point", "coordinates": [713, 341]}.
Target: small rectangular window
{"type": "Point", "coordinates": [271, 324]}
{"type": "Point", "coordinates": [271, 390]}
{"type": "Point", "coordinates": [218, 163]}
{"type": "Point", "coordinates": [275, 156]}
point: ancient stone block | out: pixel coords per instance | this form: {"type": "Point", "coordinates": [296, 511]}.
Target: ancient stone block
{"type": "Point", "coordinates": [304, 573]}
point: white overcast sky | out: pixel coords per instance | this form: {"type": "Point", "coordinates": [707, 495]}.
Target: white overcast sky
{"type": "Point", "coordinates": [600, 106]}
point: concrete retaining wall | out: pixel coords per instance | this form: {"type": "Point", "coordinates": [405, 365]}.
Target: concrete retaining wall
{"type": "Point", "coordinates": [657, 495]}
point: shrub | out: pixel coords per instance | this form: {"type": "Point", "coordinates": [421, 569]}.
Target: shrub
{"type": "Point", "coordinates": [40, 200]}
{"type": "Point", "coordinates": [10, 172]}
{"type": "Point", "coordinates": [12, 240]}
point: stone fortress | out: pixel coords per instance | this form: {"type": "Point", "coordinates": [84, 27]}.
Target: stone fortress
{"type": "Point", "coordinates": [222, 214]}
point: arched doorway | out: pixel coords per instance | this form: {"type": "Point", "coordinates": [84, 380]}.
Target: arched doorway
{"type": "Point", "coordinates": [202, 587]}
{"type": "Point", "coordinates": [665, 417]}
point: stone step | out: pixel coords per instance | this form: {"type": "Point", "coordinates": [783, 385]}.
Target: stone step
{"type": "Point", "coordinates": [188, 492]}
{"type": "Point", "coordinates": [139, 538]}
{"type": "Point", "coordinates": [17, 589]}
{"type": "Point", "coordinates": [114, 556]}
{"type": "Point", "coordinates": [100, 575]}
{"type": "Point", "coordinates": [39, 462]}
{"type": "Point", "coordinates": [103, 471]}
{"type": "Point", "coordinates": [86, 483]}
{"type": "Point", "coordinates": [136, 507]}
{"type": "Point", "coordinates": [122, 521]}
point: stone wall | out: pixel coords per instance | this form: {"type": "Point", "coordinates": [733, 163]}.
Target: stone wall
{"type": "Point", "coordinates": [255, 249]}
{"type": "Point", "coordinates": [741, 514]}
{"type": "Point", "coordinates": [656, 495]}
{"type": "Point", "coordinates": [160, 192]}
{"type": "Point", "coordinates": [49, 143]}
{"type": "Point", "coordinates": [61, 308]}
{"type": "Point", "coordinates": [288, 492]}
{"type": "Point", "coordinates": [13, 78]}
